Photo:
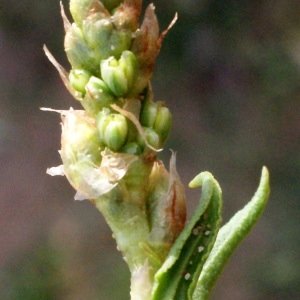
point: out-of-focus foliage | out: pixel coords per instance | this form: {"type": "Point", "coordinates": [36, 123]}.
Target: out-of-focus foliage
{"type": "Point", "coordinates": [39, 266]}
{"type": "Point", "coordinates": [230, 73]}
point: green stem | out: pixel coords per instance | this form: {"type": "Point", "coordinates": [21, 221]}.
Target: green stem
{"type": "Point", "coordinates": [124, 209]}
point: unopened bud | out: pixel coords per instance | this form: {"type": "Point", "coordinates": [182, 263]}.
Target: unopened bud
{"type": "Point", "coordinates": [96, 86]}
{"type": "Point", "coordinates": [79, 79]}
{"type": "Point", "coordinates": [131, 148]}
{"type": "Point", "coordinates": [129, 64]}
{"type": "Point", "coordinates": [148, 114]}
{"type": "Point", "coordinates": [152, 138]}
{"type": "Point", "coordinates": [81, 9]}
{"type": "Point", "coordinates": [112, 129]}
{"type": "Point", "coordinates": [120, 41]}
{"type": "Point", "coordinates": [119, 74]}
{"type": "Point", "coordinates": [97, 96]}
{"type": "Point", "coordinates": [79, 54]}
{"type": "Point", "coordinates": [162, 124]}
{"type": "Point", "coordinates": [102, 36]}
{"type": "Point", "coordinates": [97, 32]}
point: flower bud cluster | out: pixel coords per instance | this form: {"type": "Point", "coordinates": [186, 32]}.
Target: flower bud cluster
{"type": "Point", "coordinates": [107, 36]}
{"type": "Point", "coordinates": [98, 92]}
{"type": "Point", "coordinates": [117, 132]}
{"type": "Point", "coordinates": [112, 60]}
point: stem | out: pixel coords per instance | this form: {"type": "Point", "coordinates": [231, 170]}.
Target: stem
{"type": "Point", "coordinates": [124, 209]}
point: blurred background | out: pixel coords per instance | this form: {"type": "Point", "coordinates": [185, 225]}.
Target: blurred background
{"type": "Point", "coordinates": [230, 73]}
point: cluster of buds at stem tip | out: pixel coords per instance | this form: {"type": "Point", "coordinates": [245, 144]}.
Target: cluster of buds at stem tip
{"type": "Point", "coordinates": [108, 43]}
{"type": "Point", "coordinates": [112, 60]}
{"type": "Point", "coordinates": [109, 148]}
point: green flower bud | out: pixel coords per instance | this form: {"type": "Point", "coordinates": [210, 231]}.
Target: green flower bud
{"type": "Point", "coordinates": [152, 138]}
{"type": "Point", "coordinates": [79, 54]}
{"type": "Point", "coordinates": [129, 64]}
{"type": "Point", "coordinates": [131, 148]}
{"type": "Point", "coordinates": [114, 76]}
{"type": "Point", "coordinates": [97, 32]}
{"type": "Point", "coordinates": [148, 114]}
{"type": "Point", "coordinates": [96, 86]}
{"type": "Point", "coordinates": [120, 41]}
{"type": "Point", "coordinates": [97, 96]}
{"type": "Point", "coordinates": [119, 74]}
{"type": "Point", "coordinates": [162, 124]}
{"type": "Point", "coordinates": [79, 79]}
{"type": "Point", "coordinates": [116, 132]}
{"type": "Point", "coordinates": [105, 40]}
{"type": "Point", "coordinates": [113, 129]}
{"type": "Point", "coordinates": [81, 9]}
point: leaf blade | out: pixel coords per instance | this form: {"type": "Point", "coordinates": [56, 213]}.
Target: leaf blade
{"type": "Point", "coordinates": [230, 236]}
{"type": "Point", "coordinates": [178, 276]}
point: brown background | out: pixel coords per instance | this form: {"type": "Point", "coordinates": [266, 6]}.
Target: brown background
{"type": "Point", "coordinates": [229, 71]}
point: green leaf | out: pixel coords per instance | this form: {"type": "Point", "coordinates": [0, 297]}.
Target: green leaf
{"type": "Point", "coordinates": [230, 236]}
{"type": "Point", "coordinates": [178, 276]}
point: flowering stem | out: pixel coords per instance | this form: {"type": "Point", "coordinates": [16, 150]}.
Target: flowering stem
{"type": "Point", "coordinates": [109, 154]}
